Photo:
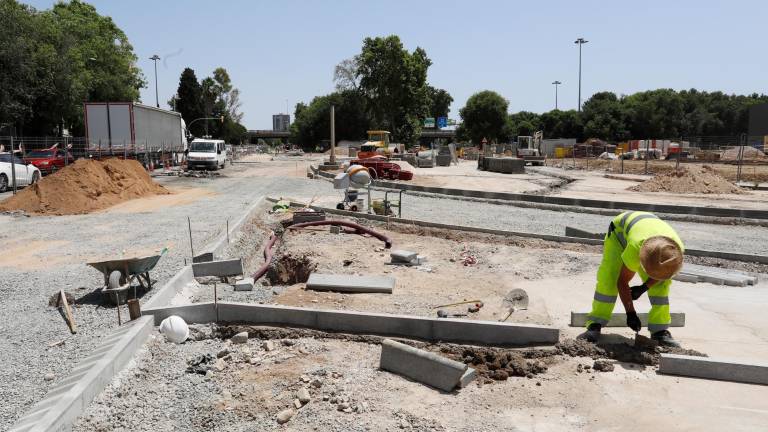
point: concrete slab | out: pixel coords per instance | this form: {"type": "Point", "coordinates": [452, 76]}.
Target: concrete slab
{"type": "Point", "coordinates": [422, 366]}
{"type": "Point", "coordinates": [245, 284]}
{"type": "Point", "coordinates": [199, 313]}
{"type": "Point", "coordinates": [233, 267]}
{"type": "Point", "coordinates": [714, 368]}
{"type": "Point", "coordinates": [403, 256]}
{"type": "Point", "coordinates": [351, 283]}
{"type": "Point", "coordinates": [167, 292]}
{"type": "Point", "coordinates": [469, 375]}
{"type": "Point", "coordinates": [492, 332]}
{"type": "Point", "coordinates": [719, 276]}
{"type": "Point", "coordinates": [576, 232]}
{"type": "Point", "coordinates": [619, 319]}
{"type": "Point", "coordinates": [69, 397]}
{"type": "Point", "coordinates": [203, 257]}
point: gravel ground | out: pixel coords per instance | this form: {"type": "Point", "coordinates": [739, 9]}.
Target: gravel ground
{"type": "Point", "coordinates": [46, 254]}
{"type": "Point", "coordinates": [730, 238]}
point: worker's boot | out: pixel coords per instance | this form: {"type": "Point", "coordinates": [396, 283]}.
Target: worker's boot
{"type": "Point", "coordinates": [664, 338]}
{"type": "Point", "coordinates": [592, 334]}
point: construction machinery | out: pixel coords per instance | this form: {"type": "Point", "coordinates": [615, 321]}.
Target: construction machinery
{"type": "Point", "coordinates": [529, 148]}
{"type": "Point", "coordinates": [377, 145]}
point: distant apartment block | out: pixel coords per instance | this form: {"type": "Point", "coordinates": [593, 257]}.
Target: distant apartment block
{"type": "Point", "coordinates": [281, 122]}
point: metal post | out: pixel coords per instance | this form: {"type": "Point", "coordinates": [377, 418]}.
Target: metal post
{"type": "Point", "coordinates": [333, 135]}
{"type": "Point", "coordinates": [191, 247]}
{"type": "Point", "coordinates": [13, 166]}
{"type": "Point", "coordinates": [580, 42]}
{"type": "Point", "coordinates": [227, 231]}
{"type": "Point", "coordinates": [647, 148]}
{"type": "Point", "coordinates": [742, 143]}
{"type": "Point", "coordinates": [622, 164]}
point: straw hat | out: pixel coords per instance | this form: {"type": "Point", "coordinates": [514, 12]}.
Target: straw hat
{"type": "Point", "coordinates": [661, 257]}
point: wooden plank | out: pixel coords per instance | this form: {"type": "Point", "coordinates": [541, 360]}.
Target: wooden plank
{"type": "Point", "coordinates": [67, 311]}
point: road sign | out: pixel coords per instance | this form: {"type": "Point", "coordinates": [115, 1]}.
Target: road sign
{"type": "Point", "coordinates": [442, 122]}
{"type": "Point", "coordinates": [429, 122]}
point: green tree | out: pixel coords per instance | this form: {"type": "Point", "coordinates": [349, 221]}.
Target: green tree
{"type": "Point", "coordinates": [189, 101]}
{"type": "Point", "coordinates": [394, 83]}
{"type": "Point", "coordinates": [439, 102]}
{"type": "Point", "coordinates": [523, 123]}
{"type": "Point", "coordinates": [345, 74]}
{"type": "Point", "coordinates": [604, 117]}
{"type": "Point", "coordinates": [562, 124]}
{"type": "Point", "coordinates": [485, 116]}
{"type": "Point", "coordinates": [312, 122]}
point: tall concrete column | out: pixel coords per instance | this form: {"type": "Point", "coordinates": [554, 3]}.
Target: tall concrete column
{"type": "Point", "coordinates": [333, 135]}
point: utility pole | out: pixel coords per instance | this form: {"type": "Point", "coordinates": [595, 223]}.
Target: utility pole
{"type": "Point", "coordinates": [556, 83]}
{"type": "Point", "coordinates": [155, 58]}
{"type": "Point", "coordinates": [333, 135]}
{"type": "Point", "coordinates": [580, 42]}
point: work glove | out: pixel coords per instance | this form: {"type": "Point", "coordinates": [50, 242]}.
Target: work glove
{"type": "Point", "coordinates": [633, 321]}
{"type": "Point", "coordinates": [638, 290]}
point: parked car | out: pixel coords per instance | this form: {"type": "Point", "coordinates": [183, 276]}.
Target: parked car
{"type": "Point", "coordinates": [26, 173]}
{"type": "Point", "coordinates": [49, 161]}
{"type": "Point", "coordinates": [206, 154]}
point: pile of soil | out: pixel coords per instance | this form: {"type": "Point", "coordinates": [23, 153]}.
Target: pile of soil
{"type": "Point", "coordinates": [748, 152]}
{"type": "Point", "coordinates": [84, 187]}
{"type": "Point", "coordinates": [689, 180]}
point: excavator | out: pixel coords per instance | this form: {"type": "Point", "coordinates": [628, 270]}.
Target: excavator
{"type": "Point", "coordinates": [529, 148]}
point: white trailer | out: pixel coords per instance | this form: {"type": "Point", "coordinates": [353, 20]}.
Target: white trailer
{"type": "Point", "coordinates": [130, 129]}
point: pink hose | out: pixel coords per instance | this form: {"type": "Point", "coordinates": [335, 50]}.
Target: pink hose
{"type": "Point", "coordinates": [267, 257]}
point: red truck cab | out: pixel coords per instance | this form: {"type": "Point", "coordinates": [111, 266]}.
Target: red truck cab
{"type": "Point", "coordinates": [49, 161]}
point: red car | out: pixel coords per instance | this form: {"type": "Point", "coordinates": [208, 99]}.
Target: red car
{"type": "Point", "coordinates": [49, 161]}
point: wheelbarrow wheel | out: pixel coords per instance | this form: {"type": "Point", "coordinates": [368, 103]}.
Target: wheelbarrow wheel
{"type": "Point", "coordinates": [114, 279]}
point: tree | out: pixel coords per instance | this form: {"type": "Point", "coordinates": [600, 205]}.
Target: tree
{"type": "Point", "coordinates": [312, 122]}
{"type": "Point", "coordinates": [189, 101]}
{"type": "Point", "coordinates": [394, 84]}
{"type": "Point", "coordinates": [523, 123]}
{"type": "Point", "coordinates": [484, 116]}
{"type": "Point", "coordinates": [604, 117]}
{"type": "Point", "coordinates": [562, 124]}
{"type": "Point", "coordinates": [345, 74]}
{"type": "Point", "coordinates": [439, 102]}
{"type": "Point", "coordinates": [59, 58]}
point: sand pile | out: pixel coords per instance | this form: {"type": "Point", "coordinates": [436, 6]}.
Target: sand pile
{"type": "Point", "coordinates": [747, 153]}
{"type": "Point", "coordinates": [84, 187]}
{"type": "Point", "coordinates": [689, 180]}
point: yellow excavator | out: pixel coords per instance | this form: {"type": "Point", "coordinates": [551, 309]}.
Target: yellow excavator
{"type": "Point", "coordinates": [377, 145]}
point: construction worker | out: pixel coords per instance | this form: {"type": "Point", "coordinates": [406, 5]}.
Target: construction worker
{"type": "Point", "coordinates": [636, 242]}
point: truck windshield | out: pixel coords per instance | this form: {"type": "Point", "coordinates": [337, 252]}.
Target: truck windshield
{"type": "Point", "coordinates": [202, 147]}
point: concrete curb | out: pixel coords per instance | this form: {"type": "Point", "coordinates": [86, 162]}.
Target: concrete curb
{"type": "Point", "coordinates": [412, 327]}
{"type": "Point", "coordinates": [350, 283]}
{"type": "Point", "coordinates": [619, 319]}
{"type": "Point", "coordinates": [167, 292]}
{"type": "Point", "coordinates": [66, 401]}
{"type": "Point", "coordinates": [714, 368]}
{"type": "Point", "coordinates": [223, 268]}
{"type": "Point", "coordinates": [564, 201]}
{"type": "Point", "coordinates": [175, 285]}
{"type": "Point", "coordinates": [422, 366]}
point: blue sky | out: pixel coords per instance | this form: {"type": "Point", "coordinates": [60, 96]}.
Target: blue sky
{"type": "Point", "coordinates": [286, 49]}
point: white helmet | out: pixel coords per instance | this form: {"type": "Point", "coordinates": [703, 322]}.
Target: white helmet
{"type": "Point", "coordinates": [175, 329]}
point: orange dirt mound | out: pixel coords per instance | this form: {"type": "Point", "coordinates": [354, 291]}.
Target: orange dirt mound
{"type": "Point", "coordinates": [689, 181]}
{"type": "Point", "coordinates": [84, 187]}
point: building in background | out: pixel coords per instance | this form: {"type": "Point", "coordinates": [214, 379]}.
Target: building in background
{"type": "Point", "coordinates": [281, 122]}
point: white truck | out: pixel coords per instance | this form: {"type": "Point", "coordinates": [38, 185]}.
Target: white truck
{"type": "Point", "coordinates": [129, 129]}
{"type": "Point", "coordinates": [206, 153]}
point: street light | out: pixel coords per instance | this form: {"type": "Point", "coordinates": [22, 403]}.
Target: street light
{"type": "Point", "coordinates": [556, 83]}
{"type": "Point", "coordinates": [580, 42]}
{"type": "Point", "coordinates": [155, 58]}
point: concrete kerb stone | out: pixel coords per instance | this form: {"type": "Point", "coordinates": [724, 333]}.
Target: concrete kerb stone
{"type": "Point", "coordinates": [422, 366]}
{"type": "Point", "coordinates": [217, 246]}
{"type": "Point", "coordinates": [175, 285]}
{"type": "Point", "coordinates": [223, 268]}
{"type": "Point", "coordinates": [619, 319]}
{"type": "Point", "coordinates": [714, 368]}
{"type": "Point", "coordinates": [69, 398]}
{"type": "Point", "coordinates": [412, 327]}
{"type": "Point", "coordinates": [564, 201]}
{"type": "Point", "coordinates": [350, 283]}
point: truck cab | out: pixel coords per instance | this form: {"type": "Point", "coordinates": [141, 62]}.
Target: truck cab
{"type": "Point", "coordinates": [206, 154]}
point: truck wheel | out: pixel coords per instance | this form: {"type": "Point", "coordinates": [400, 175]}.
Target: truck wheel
{"type": "Point", "coordinates": [3, 183]}
{"type": "Point", "coordinates": [339, 206]}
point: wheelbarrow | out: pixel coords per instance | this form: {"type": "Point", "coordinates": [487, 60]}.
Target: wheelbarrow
{"type": "Point", "coordinates": [125, 273]}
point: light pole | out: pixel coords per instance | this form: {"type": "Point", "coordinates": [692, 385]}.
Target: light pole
{"type": "Point", "coordinates": [155, 58]}
{"type": "Point", "coordinates": [556, 83]}
{"type": "Point", "coordinates": [580, 42]}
